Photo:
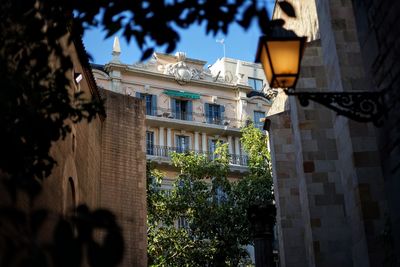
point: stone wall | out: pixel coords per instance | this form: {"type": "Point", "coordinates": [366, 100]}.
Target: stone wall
{"type": "Point", "coordinates": [358, 154]}
{"type": "Point", "coordinates": [309, 191]}
{"type": "Point", "coordinates": [290, 227]}
{"type": "Point", "coordinates": [341, 180]}
{"type": "Point", "coordinates": [379, 38]}
{"type": "Point", "coordinates": [76, 177]}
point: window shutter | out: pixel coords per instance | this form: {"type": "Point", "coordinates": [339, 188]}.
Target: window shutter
{"type": "Point", "coordinates": [153, 105]}
{"type": "Point", "coordinates": [207, 112]}
{"type": "Point", "coordinates": [138, 95]}
{"type": "Point", "coordinates": [173, 107]}
{"type": "Point", "coordinates": [189, 110]}
{"type": "Point", "coordinates": [222, 112]}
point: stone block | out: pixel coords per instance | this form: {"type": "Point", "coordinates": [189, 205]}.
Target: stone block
{"type": "Point", "coordinates": [325, 165]}
{"type": "Point", "coordinates": [366, 159]}
{"type": "Point", "coordinates": [319, 177]}
{"type": "Point", "coordinates": [315, 222]}
{"type": "Point", "coordinates": [308, 166]}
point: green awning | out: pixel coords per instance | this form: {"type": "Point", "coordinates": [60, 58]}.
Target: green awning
{"type": "Point", "coordinates": [182, 94]}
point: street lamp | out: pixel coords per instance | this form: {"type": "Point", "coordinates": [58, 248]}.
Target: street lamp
{"type": "Point", "coordinates": [280, 54]}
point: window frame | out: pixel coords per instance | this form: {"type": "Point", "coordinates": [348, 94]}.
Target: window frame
{"type": "Point", "coordinates": [257, 123]}
{"type": "Point", "coordinates": [150, 143]}
{"type": "Point", "coordinates": [252, 82]}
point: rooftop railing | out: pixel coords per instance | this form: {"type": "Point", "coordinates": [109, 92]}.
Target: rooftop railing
{"type": "Point", "coordinates": [165, 152]}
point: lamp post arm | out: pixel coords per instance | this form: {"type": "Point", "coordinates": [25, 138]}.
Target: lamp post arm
{"type": "Point", "coordinates": [359, 106]}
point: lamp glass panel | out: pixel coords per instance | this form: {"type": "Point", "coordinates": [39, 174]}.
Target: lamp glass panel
{"type": "Point", "coordinates": [284, 81]}
{"type": "Point", "coordinates": [284, 56]}
{"type": "Point", "coordinates": [266, 63]}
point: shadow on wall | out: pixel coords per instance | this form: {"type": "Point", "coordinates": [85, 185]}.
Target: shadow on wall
{"type": "Point", "coordinates": [81, 238]}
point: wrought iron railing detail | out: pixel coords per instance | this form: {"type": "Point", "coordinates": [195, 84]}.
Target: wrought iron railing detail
{"type": "Point", "coordinates": [196, 117]}
{"type": "Point", "coordinates": [358, 106]}
{"type": "Point", "coordinates": [165, 152]}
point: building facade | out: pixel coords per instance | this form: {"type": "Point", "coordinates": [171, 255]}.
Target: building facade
{"type": "Point", "coordinates": [336, 180]}
{"type": "Point", "coordinates": [190, 107]}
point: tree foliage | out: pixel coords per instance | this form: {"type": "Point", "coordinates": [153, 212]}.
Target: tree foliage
{"type": "Point", "coordinates": [256, 187]}
{"type": "Point", "coordinates": [36, 100]}
{"type": "Point", "coordinates": [215, 229]}
{"type": "Point", "coordinates": [200, 199]}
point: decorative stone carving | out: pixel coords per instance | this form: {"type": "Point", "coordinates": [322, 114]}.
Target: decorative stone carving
{"type": "Point", "coordinates": [228, 77]}
{"type": "Point", "coordinates": [271, 93]}
{"type": "Point", "coordinates": [182, 72]}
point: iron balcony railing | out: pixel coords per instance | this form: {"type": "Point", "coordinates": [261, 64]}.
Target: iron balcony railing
{"type": "Point", "coordinates": [165, 152]}
{"type": "Point", "coordinates": [197, 117]}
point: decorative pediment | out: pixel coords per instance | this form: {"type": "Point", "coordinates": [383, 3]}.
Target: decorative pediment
{"type": "Point", "coordinates": [183, 69]}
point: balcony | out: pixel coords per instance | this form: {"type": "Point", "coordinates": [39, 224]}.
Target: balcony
{"type": "Point", "coordinates": [195, 117]}
{"type": "Point", "coordinates": [164, 153]}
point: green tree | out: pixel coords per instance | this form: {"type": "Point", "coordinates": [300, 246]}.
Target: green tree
{"type": "Point", "coordinates": [214, 211]}
{"type": "Point", "coordinates": [201, 201]}
{"type": "Point", "coordinates": [255, 189]}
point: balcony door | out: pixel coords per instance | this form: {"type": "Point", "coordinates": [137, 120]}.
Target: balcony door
{"type": "Point", "coordinates": [257, 116]}
{"type": "Point", "coordinates": [212, 146]}
{"type": "Point", "coordinates": [149, 143]}
{"type": "Point", "coordinates": [151, 103]}
{"type": "Point", "coordinates": [214, 113]}
{"type": "Point", "coordinates": [182, 143]}
{"type": "Point", "coordinates": [181, 109]}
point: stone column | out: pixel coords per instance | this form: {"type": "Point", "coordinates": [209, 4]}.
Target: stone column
{"type": "Point", "coordinates": [230, 145]}
{"type": "Point", "coordinates": [169, 137]}
{"type": "Point", "coordinates": [204, 142]}
{"type": "Point", "coordinates": [161, 135]}
{"type": "Point", "coordinates": [196, 142]}
{"type": "Point", "coordinates": [237, 146]}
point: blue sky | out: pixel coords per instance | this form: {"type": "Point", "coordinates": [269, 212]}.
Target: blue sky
{"type": "Point", "coordinates": [194, 42]}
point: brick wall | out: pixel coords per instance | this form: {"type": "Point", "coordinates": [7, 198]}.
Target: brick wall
{"type": "Point", "coordinates": [123, 172]}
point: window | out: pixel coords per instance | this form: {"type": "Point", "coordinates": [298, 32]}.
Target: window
{"type": "Point", "coordinates": [149, 143]}
{"type": "Point", "coordinates": [181, 109]}
{"type": "Point", "coordinates": [183, 223]}
{"type": "Point", "coordinates": [212, 146]}
{"type": "Point", "coordinates": [214, 113]}
{"type": "Point", "coordinates": [257, 116]}
{"type": "Point", "coordinates": [256, 84]}
{"type": "Point", "coordinates": [220, 195]}
{"type": "Point", "coordinates": [151, 103]}
{"type": "Point", "coordinates": [182, 143]}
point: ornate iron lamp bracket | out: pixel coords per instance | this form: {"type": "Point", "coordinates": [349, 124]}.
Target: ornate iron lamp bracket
{"type": "Point", "coordinates": [358, 106]}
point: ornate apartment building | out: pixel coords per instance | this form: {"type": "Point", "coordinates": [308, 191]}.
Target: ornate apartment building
{"type": "Point", "coordinates": [190, 107]}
